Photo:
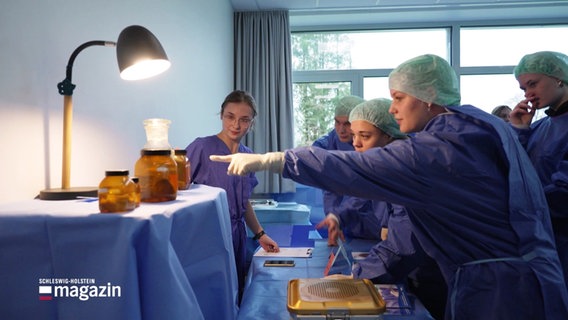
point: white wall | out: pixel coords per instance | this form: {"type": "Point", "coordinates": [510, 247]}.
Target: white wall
{"type": "Point", "coordinates": [36, 39]}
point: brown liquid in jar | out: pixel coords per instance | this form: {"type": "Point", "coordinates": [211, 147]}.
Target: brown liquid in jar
{"type": "Point", "coordinates": [183, 168]}
{"type": "Point", "coordinates": [116, 192]}
{"type": "Point", "coordinates": [156, 171]}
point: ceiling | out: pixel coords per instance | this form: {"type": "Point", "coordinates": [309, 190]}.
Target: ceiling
{"type": "Point", "coordinates": [337, 12]}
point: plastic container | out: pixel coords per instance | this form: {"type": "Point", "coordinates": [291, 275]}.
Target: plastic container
{"type": "Point", "coordinates": [116, 192]}
{"type": "Point", "coordinates": [183, 168]}
{"type": "Point", "coordinates": [157, 174]}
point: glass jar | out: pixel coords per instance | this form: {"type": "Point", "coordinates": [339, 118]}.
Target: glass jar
{"type": "Point", "coordinates": [183, 168]}
{"type": "Point", "coordinates": [116, 192]}
{"type": "Point", "coordinates": [137, 191]}
{"type": "Point", "coordinates": [157, 134]}
{"type": "Point", "coordinates": [157, 174]}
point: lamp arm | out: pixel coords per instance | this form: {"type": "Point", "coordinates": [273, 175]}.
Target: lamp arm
{"type": "Point", "coordinates": [66, 87]}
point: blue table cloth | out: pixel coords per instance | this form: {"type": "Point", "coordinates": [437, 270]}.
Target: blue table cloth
{"type": "Point", "coordinates": [265, 295]}
{"type": "Point", "coordinates": [283, 212]}
{"type": "Point", "coordinates": [170, 260]}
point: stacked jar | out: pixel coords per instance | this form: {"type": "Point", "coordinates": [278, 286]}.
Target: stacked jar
{"type": "Point", "coordinates": [183, 168]}
{"type": "Point", "coordinates": [156, 171]}
{"type": "Point", "coordinates": [117, 192]}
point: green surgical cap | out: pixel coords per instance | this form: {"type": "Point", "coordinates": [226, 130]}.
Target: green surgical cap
{"type": "Point", "coordinates": [346, 104]}
{"type": "Point", "coordinates": [376, 112]}
{"type": "Point", "coordinates": [553, 64]}
{"type": "Point", "coordinates": [428, 78]}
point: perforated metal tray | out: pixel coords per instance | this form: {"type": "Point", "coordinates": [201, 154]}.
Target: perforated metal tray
{"type": "Point", "coordinates": [355, 298]}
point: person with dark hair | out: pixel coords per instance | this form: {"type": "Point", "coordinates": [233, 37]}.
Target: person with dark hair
{"type": "Point", "coordinates": [503, 112]}
{"type": "Point", "coordinates": [474, 199]}
{"type": "Point", "coordinates": [237, 116]}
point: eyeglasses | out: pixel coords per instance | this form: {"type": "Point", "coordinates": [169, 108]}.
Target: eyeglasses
{"type": "Point", "coordinates": [242, 121]}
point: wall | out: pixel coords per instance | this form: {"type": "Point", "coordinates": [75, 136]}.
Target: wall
{"type": "Point", "coordinates": [37, 39]}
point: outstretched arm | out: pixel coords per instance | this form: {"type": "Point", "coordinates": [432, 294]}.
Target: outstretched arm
{"type": "Point", "coordinates": [244, 163]}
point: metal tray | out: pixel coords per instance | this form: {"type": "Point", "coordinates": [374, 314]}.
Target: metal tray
{"type": "Point", "coordinates": [347, 298]}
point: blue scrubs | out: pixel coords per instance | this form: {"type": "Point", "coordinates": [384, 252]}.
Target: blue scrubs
{"type": "Point", "coordinates": [362, 218]}
{"type": "Point", "coordinates": [330, 141]}
{"type": "Point", "coordinates": [476, 205]}
{"type": "Point", "coordinates": [546, 143]}
{"type": "Point", "coordinates": [238, 188]}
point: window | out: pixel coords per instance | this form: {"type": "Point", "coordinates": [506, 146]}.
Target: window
{"type": "Point", "coordinates": [492, 53]}
{"type": "Point", "coordinates": [505, 46]}
{"type": "Point", "coordinates": [365, 49]}
{"type": "Point", "coordinates": [490, 90]}
{"type": "Point", "coordinates": [375, 87]}
{"type": "Point", "coordinates": [336, 63]}
{"type": "Point", "coordinates": [329, 65]}
{"type": "Point", "coordinates": [313, 109]}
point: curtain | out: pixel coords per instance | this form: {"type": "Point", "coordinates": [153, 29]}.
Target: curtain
{"type": "Point", "coordinates": [263, 68]}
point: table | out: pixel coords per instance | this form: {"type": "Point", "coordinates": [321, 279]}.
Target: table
{"type": "Point", "coordinates": [265, 293]}
{"type": "Point", "coordinates": [283, 212]}
{"type": "Point", "coordinates": [170, 260]}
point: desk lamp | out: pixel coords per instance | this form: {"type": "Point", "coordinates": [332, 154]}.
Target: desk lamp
{"type": "Point", "coordinates": [140, 55]}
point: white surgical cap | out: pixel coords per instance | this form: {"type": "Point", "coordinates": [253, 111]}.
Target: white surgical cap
{"type": "Point", "coordinates": [428, 78]}
{"type": "Point", "coordinates": [553, 64]}
{"type": "Point", "coordinates": [376, 112]}
{"type": "Point", "coordinates": [346, 104]}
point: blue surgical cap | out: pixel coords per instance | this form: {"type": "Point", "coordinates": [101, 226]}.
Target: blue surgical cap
{"type": "Point", "coordinates": [376, 112]}
{"type": "Point", "coordinates": [550, 63]}
{"type": "Point", "coordinates": [428, 78]}
{"type": "Point", "coordinates": [346, 104]}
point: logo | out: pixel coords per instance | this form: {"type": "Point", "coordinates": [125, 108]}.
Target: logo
{"type": "Point", "coordinates": [82, 289]}
{"type": "Point", "coordinates": [45, 293]}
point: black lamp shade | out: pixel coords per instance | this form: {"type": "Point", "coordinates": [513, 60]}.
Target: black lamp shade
{"type": "Point", "coordinates": [139, 53]}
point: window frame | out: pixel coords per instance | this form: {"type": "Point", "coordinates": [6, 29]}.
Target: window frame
{"type": "Point", "coordinates": [356, 76]}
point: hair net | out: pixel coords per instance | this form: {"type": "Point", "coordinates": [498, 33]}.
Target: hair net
{"type": "Point", "coordinates": [428, 78]}
{"type": "Point", "coordinates": [376, 112]}
{"type": "Point", "coordinates": [553, 64]}
{"type": "Point", "coordinates": [346, 104]}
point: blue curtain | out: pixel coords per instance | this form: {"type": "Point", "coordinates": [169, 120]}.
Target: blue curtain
{"type": "Point", "coordinates": [263, 68]}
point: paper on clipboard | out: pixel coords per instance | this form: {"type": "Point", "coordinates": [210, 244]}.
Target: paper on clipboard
{"type": "Point", "coordinates": [300, 252]}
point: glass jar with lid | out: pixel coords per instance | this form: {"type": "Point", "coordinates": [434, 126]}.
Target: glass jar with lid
{"type": "Point", "coordinates": [183, 168]}
{"type": "Point", "coordinates": [116, 192]}
{"type": "Point", "coordinates": [156, 171]}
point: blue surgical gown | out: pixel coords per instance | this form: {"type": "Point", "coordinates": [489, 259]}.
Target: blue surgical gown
{"type": "Point", "coordinates": [476, 205]}
{"type": "Point", "coordinates": [362, 218]}
{"type": "Point", "coordinates": [546, 143]}
{"type": "Point", "coordinates": [238, 189]}
{"type": "Point", "coordinates": [330, 141]}
{"type": "Point", "coordinates": [400, 258]}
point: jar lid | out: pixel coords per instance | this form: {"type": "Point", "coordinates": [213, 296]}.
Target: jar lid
{"type": "Point", "coordinates": [181, 152]}
{"type": "Point", "coordinates": [155, 152]}
{"type": "Point", "coordinates": [112, 173]}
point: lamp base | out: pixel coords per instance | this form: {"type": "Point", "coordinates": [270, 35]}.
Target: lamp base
{"type": "Point", "coordinates": [68, 194]}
